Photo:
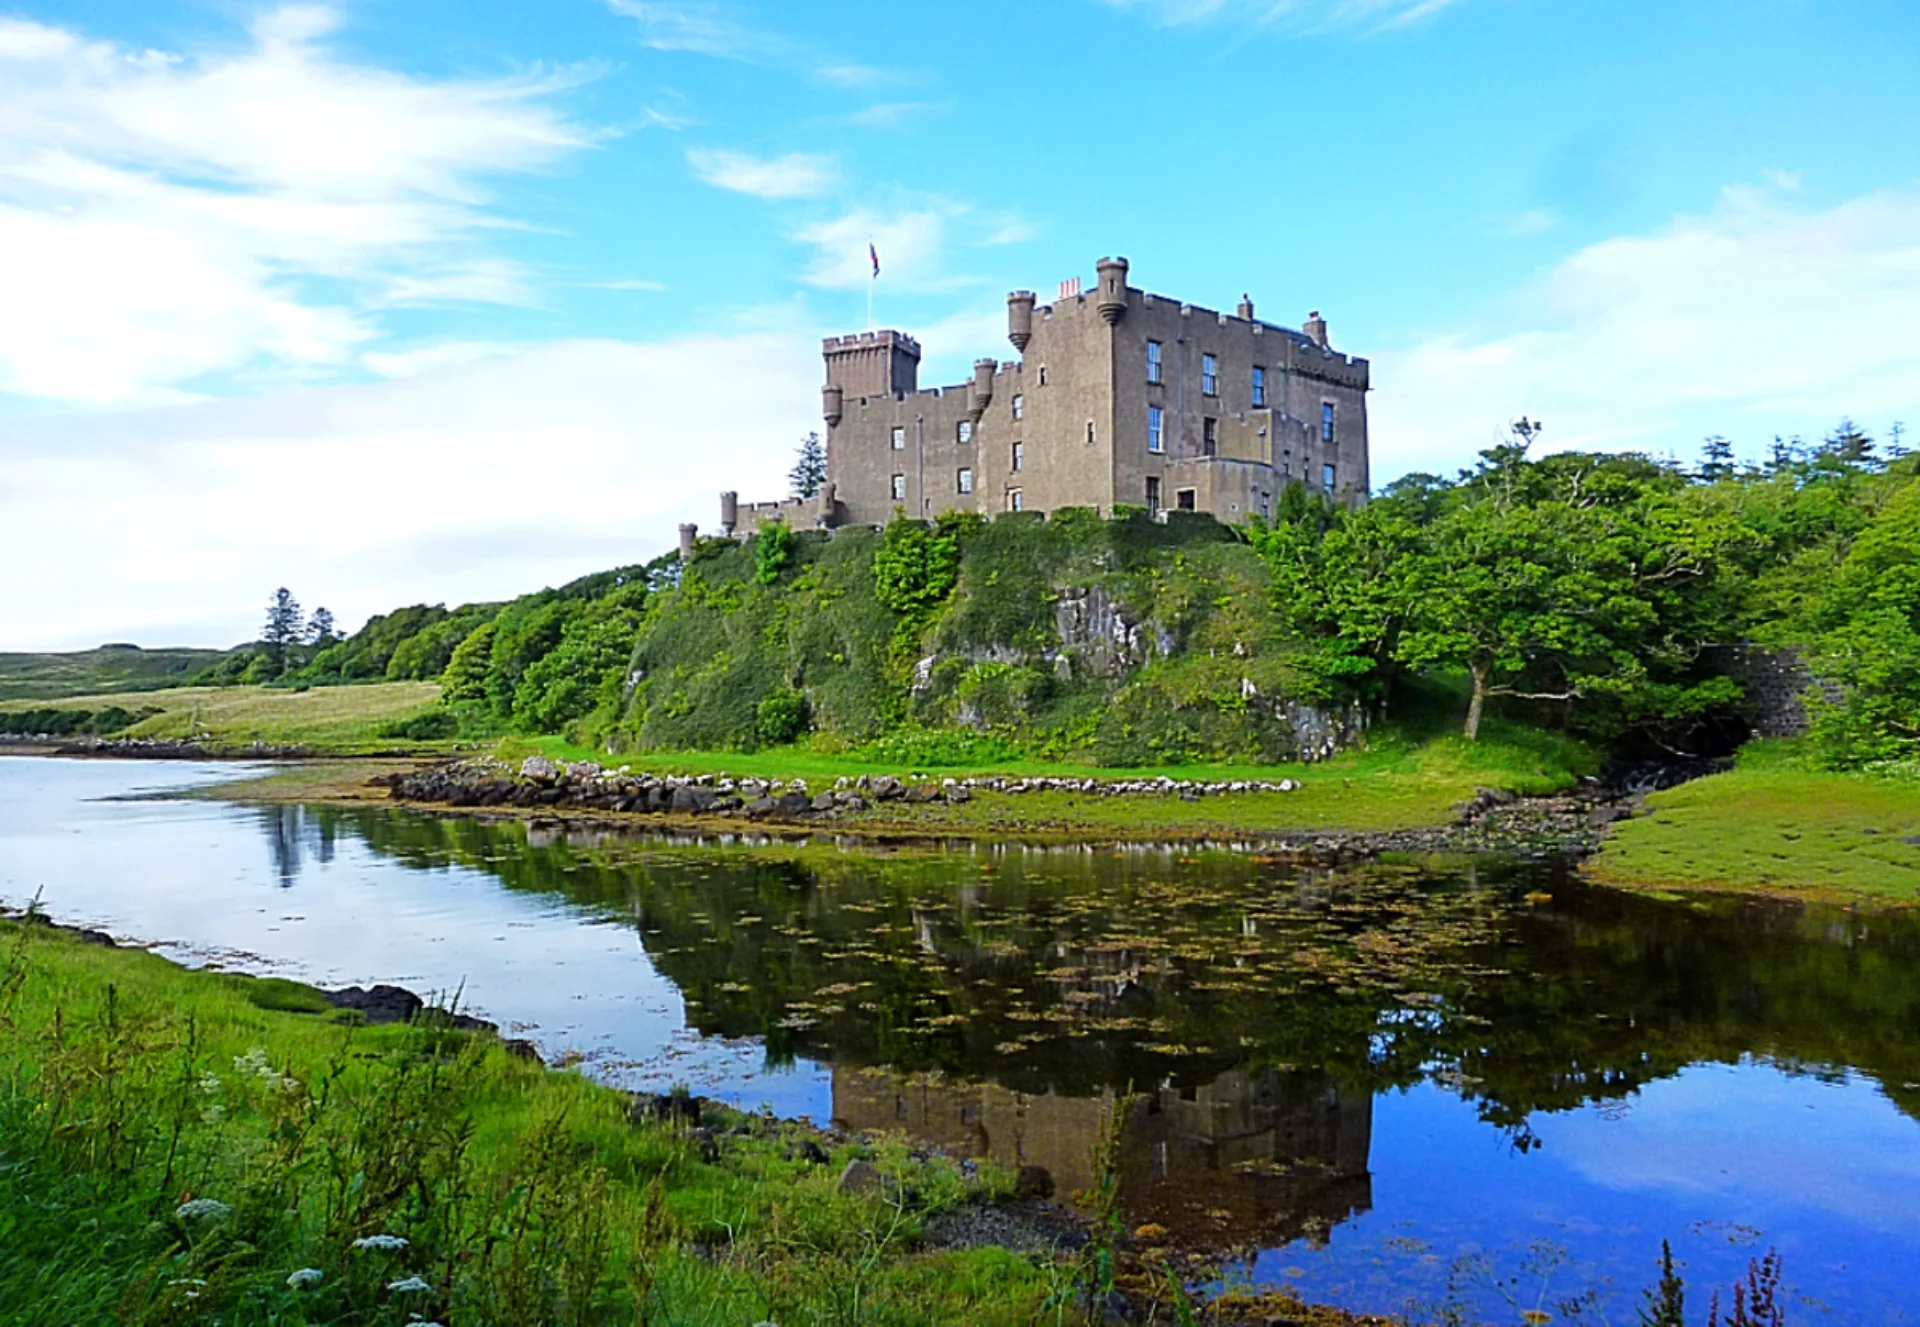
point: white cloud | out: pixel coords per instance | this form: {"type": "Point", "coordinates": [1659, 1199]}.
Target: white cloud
{"type": "Point", "coordinates": [704, 27]}
{"type": "Point", "coordinates": [1290, 15]}
{"type": "Point", "coordinates": [1534, 221]}
{"type": "Point", "coordinates": [165, 216]}
{"type": "Point", "coordinates": [480, 471]}
{"type": "Point", "coordinates": [1755, 318]}
{"type": "Point", "coordinates": [431, 358]}
{"type": "Point", "coordinates": [894, 114]}
{"type": "Point", "coordinates": [911, 243]}
{"type": "Point", "coordinates": [795, 175]}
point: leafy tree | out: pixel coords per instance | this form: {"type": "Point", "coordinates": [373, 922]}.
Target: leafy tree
{"type": "Point", "coordinates": [810, 470]}
{"type": "Point", "coordinates": [782, 717]}
{"type": "Point", "coordinates": [1868, 641]}
{"type": "Point", "coordinates": [465, 678]}
{"type": "Point", "coordinates": [587, 670]}
{"type": "Point", "coordinates": [284, 627]}
{"type": "Point", "coordinates": [916, 566]}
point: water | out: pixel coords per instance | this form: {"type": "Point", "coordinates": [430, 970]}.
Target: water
{"type": "Point", "coordinates": [1368, 1084]}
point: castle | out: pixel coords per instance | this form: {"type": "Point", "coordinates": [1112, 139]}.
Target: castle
{"type": "Point", "coordinates": [1119, 397]}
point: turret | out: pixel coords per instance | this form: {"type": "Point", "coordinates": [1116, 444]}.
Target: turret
{"type": "Point", "coordinates": [688, 533]}
{"type": "Point", "coordinates": [1316, 329]}
{"type": "Point", "coordinates": [729, 513]}
{"type": "Point", "coordinates": [982, 387]}
{"type": "Point", "coordinates": [826, 517]}
{"type": "Point", "coordinates": [1020, 318]}
{"type": "Point", "coordinates": [1245, 311]}
{"type": "Point", "coordinates": [831, 401]}
{"type": "Point", "coordinates": [1112, 301]}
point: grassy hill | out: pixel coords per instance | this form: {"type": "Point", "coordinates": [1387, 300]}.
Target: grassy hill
{"type": "Point", "coordinates": [338, 719]}
{"type": "Point", "coordinates": [89, 672]}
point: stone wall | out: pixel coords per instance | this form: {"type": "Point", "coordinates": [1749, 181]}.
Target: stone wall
{"type": "Point", "coordinates": [1777, 683]}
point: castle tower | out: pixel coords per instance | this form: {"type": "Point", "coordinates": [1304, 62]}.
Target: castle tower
{"type": "Point", "coordinates": [983, 370]}
{"type": "Point", "coordinates": [1020, 318]}
{"type": "Point", "coordinates": [878, 364]}
{"type": "Point", "coordinates": [1111, 304]}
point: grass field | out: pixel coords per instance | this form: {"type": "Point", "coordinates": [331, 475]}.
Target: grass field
{"type": "Point", "coordinates": [1393, 784]}
{"type": "Point", "coordinates": [333, 719]}
{"type": "Point", "coordinates": [1773, 824]}
{"type": "Point", "coordinates": [117, 668]}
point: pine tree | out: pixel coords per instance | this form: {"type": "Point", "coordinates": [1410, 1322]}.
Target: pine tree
{"type": "Point", "coordinates": [810, 470]}
{"type": "Point", "coordinates": [320, 632]}
{"type": "Point", "coordinates": [283, 628]}
{"type": "Point", "coordinates": [1716, 459]}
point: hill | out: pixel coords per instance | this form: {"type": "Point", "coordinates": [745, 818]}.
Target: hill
{"type": "Point", "coordinates": [109, 668]}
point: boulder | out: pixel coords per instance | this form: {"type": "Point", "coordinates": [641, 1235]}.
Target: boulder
{"type": "Point", "coordinates": [539, 769]}
{"type": "Point", "coordinates": [805, 1149]}
{"type": "Point", "coordinates": [886, 788]}
{"type": "Point", "coordinates": [861, 1176]}
{"type": "Point", "coordinates": [382, 1004]}
{"type": "Point", "coordinates": [1033, 1182]}
{"type": "Point", "coordinates": [823, 802]}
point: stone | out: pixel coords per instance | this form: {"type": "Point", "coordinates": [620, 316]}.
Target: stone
{"type": "Point", "coordinates": [708, 1145]}
{"type": "Point", "coordinates": [760, 806]}
{"type": "Point", "coordinates": [795, 804]}
{"type": "Point", "coordinates": [1033, 1182]}
{"type": "Point", "coordinates": [823, 802]}
{"type": "Point", "coordinates": [861, 1176]}
{"type": "Point", "coordinates": [805, 1149]}
{"type": "Point", "coordinates": [923, 792]}
{"type": "Point", "coordinates": [539, 769]}
{"type": "Point", "coordinates": [959, 793]}
{"type": "Point", "coordinates": [695, 800]}
{"type": "Point", "coordinates": [381, 1004]}
{"type": "Point", "coordinates": [886, 788]}
{"type": "Point", "coordinates": [676, 1107]}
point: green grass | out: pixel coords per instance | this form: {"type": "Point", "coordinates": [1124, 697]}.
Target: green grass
{"type": "Point", "coordinates": [129, 1086]}
{"type": "Point", "coordinates": [1774, 824]}
{"type": "Point", "coordinates": [1396, 783]}
{"type": "Point", "coordinates": [110, 668]}
{"type": "Point", "coordinates": [334, 719]}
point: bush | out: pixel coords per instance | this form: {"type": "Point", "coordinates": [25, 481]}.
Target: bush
{"type": "Point", "coordinates": [782, 717]}
{"type": "Point", "coordinates": [433, 725]}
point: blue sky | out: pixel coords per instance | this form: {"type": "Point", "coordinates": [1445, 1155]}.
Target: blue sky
{"type": "Point", "coordinates": [467, 298]}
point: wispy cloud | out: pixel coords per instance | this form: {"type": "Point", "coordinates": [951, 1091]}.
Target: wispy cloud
{"type": "Point", "coordinates": [1300, 16]}
{"type": "Point", "coordinates": [911, 244]}
{"type": "Point", "coordinates": [894, 114]}
{"type": "Point", "coordinates": [1534, 221]}
{"type": "Point", "coordinates": [706, 27]}
{"type": "Point", "coordinates": [167, 216]}
{"type": "Point", "coordinates": [795, 175]}
{"type": "Point", "coordinates": [1753, 318]}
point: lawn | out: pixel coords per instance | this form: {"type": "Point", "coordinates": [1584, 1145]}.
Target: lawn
{"type": "Point", "coordinates": [342, 719]}
{"type": "Point", "coordinates": [1774, 824]}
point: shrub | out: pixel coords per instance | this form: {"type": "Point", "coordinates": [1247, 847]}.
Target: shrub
{"type": "Point", "coordinates": [433, 725]}
{"type": "Point", "coordinates": [782, 717]}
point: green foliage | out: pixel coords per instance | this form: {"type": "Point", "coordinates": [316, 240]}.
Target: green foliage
{"type": "Point", "coordinates": [60, 721]}
{"type": "Point", "coordinates": [809, 468]}
{"type": "Point", "coordinates": [433, 725]}
{"type": "Point", "coordinates": [781, 717]}
{"type": "Point", "coordinates": [772, 552]}
{"type": "Point", "coordinates": [917, 565]}
{"type": "Point", "coordinates": [465, 678]}
{"type": "Point", "coordinates": [923, 748]}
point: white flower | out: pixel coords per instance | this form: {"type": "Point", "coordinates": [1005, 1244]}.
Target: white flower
{"type": "Point", "coordinates": [255, 1062]}
{"type": "Point", "coordinates": [413, 1285]}
{"type": "Point", "coordinates": [382, 1243]}
{"type": "Point", "coordinates": [197, 1209]}
{"type": "Point", "coordinates": [306, 1276]}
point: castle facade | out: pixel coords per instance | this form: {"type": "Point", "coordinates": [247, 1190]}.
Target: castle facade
{"type": "Point", "coordinates": [1118, 397]}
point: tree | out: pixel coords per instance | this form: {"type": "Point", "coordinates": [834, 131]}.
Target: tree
{"type": "Point", "coordinates": [1716, 460]}
{"type": "Point", "coordinates": [810, 470]}
{"type": "Point", "coordinates": [320, 632]}
{"type": "Point", "coordinates": [284, 627]}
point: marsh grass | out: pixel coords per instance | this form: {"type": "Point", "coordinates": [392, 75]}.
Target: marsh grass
{"type": "Point", "coordinates": [171, 1151]}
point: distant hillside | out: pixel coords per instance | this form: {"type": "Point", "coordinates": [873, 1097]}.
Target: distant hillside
{"type": "Point", "coordinates": [109, 668]}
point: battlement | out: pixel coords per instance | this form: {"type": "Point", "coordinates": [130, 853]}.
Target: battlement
{"type": "Point", "coordinates": [886, 337]}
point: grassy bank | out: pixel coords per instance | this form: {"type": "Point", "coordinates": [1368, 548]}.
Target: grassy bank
{"type": "Point", "coordinates": [179, 1146]}
{"type": "Point", "coordinates": [329, 720]}
{"type": "Point", "coordinates": [110, 668]}
{"type": "Point", "coordinates": [1772, 823]}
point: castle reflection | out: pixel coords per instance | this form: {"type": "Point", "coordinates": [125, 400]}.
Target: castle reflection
{"type": "Point", "coordinates": [1248, 1158]}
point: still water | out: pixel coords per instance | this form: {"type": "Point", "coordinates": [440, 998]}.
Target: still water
{"type": "Point", "coordinates": [1372, 1084]}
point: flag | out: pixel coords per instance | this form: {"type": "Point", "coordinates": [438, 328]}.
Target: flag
{"type": "Point", "coordinates": [874, 254]}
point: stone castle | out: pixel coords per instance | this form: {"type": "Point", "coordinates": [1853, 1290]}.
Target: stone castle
{"type": "Point", "coordinates": [1119, 397]}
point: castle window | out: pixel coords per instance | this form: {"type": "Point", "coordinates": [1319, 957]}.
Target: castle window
{"type": "Point", "coordinates": [1183, 499]}
{"type": "Point", "coordinates": [1153, 492]}
{"type": "Point", "coordinates": [1019, 407]}
{"type": "Point", "coordinates": [900, 439]}
{"type": "Point", "coordinates": [1209, 436]}
{"type": "Point", "coordinates": [964, 431]}
{"type": "Point", "coordinates": [1259, 387]}
{"type": "Point", "coordinates": [1014, 500]}
{"type": "Point", "coordinates": [1043, 375]}
{"type": "Point", "coordinates": [1153, 361]}
{"type": "Point", "coordinates": [964, 481]}
{"type": "Point", "coordinates": [899, 488]}
{"type": "Point", "coordinates": [1156, 429]}
{"type": "Point", "coordinates": [1019, 455]}
{"type": "Point", "coordinates": [1089, 433]}
{"type": "Point", "coordinates": [1326, 421]}
{"type": "Point", "coordinates": [1210, 375]}
{"type": "Point", "coordinates": [1326, 477]}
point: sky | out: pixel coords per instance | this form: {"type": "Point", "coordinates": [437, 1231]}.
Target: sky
{"type": "Point", "coordinates": [397, 301]}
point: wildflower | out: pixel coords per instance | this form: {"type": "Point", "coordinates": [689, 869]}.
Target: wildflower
{"type": "Point", "coordinates": [202, 1209]}
{"type": "Point", "coordinates": [413, 1285]}
{"type": "Point", "coordinates": [381, 1243]}
{"type": "Point", "coordinates": [306, 1276]}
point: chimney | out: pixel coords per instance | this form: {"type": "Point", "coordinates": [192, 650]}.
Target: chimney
{"type": "Point", "coordinates": [1246, 308]}
{"type": "Point", "coordinates": [1316, 329]}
